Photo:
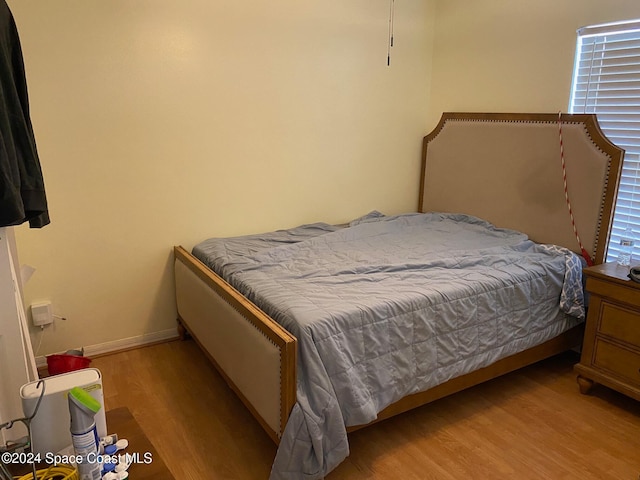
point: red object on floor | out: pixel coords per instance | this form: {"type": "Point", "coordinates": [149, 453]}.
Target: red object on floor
{"type": "Point", "coordinates": [63, 363]}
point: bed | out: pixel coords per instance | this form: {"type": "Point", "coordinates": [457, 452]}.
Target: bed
{"type": "Point", "coordinates": [502, 173]}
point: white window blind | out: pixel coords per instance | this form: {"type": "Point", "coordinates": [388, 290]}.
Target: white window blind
{"type": "Point", "coordinates": [606, 82]}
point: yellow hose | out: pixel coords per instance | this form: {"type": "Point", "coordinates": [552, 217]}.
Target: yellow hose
{"type": "Point", "coordinates": [54, 472]}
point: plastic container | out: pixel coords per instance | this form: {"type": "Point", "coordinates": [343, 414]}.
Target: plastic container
{"type": "Point", "coordinates": [63, 363]}
{"type": "Point", "coordinates": [50, 427]}
{"type": "Point", "coordinates": [626, 248]}
{"type": "Point", "coordinates": [84, 436]}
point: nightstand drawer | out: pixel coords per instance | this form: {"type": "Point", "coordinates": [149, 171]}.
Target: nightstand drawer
{"type": "Point", "coordinates": [620, 293]}
{"type": "Point", "coordinates": [617, 360]}
{"type": "Point", "coordinates": [621, 323]}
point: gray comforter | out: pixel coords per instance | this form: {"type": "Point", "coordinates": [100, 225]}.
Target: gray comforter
{"type": "Point", "coordinates": [391, 306]}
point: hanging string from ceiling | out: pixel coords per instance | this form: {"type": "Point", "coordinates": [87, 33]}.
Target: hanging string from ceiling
{"type": "Point", "coordinates": [392, 7]}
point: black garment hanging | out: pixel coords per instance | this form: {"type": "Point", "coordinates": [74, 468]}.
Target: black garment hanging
{"type": "Point", "coordinates": [22, 195]}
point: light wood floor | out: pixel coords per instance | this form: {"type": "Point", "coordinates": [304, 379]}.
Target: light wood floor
{"type": "Point", "coordinates": [531, 424]}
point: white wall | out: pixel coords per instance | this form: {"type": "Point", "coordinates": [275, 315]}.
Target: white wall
{"type": "Point", "coordinates": [161, 122]}
{"type": "Point", "coordinates": [506, 55]}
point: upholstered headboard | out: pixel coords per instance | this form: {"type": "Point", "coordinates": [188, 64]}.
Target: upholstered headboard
{"type": "Point", "coordinates": [507, 169]}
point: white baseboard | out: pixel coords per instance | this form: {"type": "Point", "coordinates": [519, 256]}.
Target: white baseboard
{"type": "Point", "coordinates": [122, 344]}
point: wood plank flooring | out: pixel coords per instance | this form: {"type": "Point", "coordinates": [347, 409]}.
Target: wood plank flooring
{"type": "Point", "coordinates": [531, 424]}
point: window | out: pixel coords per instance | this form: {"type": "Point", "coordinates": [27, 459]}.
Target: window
{"type": "Point", "coordinates": [606, 82]}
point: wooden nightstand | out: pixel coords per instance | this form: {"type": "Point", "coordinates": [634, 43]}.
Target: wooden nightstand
{"type": "Point", "coordinates": [611, 348]}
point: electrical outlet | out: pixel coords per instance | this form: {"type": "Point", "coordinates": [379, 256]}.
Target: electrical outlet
{"type": "Point", "coordinates": [41, 314]}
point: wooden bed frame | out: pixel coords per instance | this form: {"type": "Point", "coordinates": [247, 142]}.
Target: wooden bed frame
{"type": "Point", "coordinates": [505, 168]}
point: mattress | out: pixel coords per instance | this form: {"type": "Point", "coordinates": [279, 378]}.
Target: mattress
{"type": "Point", "coordinates": [388, 306]}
